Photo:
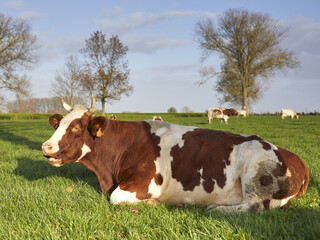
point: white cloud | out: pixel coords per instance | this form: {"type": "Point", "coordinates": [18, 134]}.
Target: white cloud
{"type": "Point", "coordinates": [151, 43]}
{"type": "Point", "coordinates": [58, 48]}
{"type": "Point", "coordinates": [141, 19]}
{"type": "Point", "coordinates": [128, 25]}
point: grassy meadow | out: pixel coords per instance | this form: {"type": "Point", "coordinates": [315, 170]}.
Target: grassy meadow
{"type": "Point", "coordinates": [39, 201]}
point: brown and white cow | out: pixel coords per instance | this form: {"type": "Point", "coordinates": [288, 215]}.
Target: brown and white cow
{"type": "Point", "coordinates": [220, 113]}
{"type": "Point", "coordinates": [113, 117]}
{"type": "Point", "coordinates": [157, 118]}
{"type": "Point", "coordinates": [142, 160]}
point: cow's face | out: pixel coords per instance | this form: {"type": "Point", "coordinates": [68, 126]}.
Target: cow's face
{"type": "Point", "coordinates": [72, 139]}
{"type": "Point", "coordinates": [67, 144]}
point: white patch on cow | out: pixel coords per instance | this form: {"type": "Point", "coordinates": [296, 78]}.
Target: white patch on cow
{"type": "Point", "coordinates": [170, 135]}
{"type": "Point", "coordinates": [288, 173]}
{"type": "Point", "coordinates": [55, 162]}
{"type": "Point", "coordinates": [85, 149]}
{"type": "Point", "coordinates": [77, 112]}
{"type": "Point", "coordinates": [200, 171]}
{"type": "Point", "coordinates": [119, 196]}
{"type": "Point", "coordinates": [154, 189]}
{"type": "Point", "coordinates": [274, 203]}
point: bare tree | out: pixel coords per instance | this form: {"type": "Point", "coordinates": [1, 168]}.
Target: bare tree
{"type": "Point", "coordinates": [248, 44]}
{"type": "Point", "coordinates": [17, 45]}
{"type": "Point", "coordinates": [107, 72]}
{"type": "Point", "coordinates": [68, 81]}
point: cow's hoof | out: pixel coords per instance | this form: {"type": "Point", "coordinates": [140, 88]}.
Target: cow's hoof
{"type": "Point", "coordinates": [153, 202]}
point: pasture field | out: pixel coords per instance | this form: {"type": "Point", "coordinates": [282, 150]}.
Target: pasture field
{"type": "Point", "coordinates": [39, 201]}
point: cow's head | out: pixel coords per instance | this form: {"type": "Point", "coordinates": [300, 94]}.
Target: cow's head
{"type": "Point", "coordinates": [74, 134]}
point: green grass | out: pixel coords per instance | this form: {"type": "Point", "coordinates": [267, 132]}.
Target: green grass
{"type": "Point", "coordinates": [38, 201]}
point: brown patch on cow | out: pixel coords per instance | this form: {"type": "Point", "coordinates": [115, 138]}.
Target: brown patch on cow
{"type": "Point", "coordinates": [283, 191]}
{"type": "Point", "coordinates": [229, 112]}
{"type": "Point", "coordinates": [265, 145]}
{"type": "Point", "coordinates": [158, 179]}
{"type": "Point", "coordinates": [217, 111]}
{"type": "Point", "coordinates": [54, 120]}
{"type": "Point", "coordinates": [208, 150]}
{"type": "Point", "coordinates": [280, 170]}
{"type": "Point", "coordinates": [266, 204]}
{"type": "Point", "coordinates": [266, 180]}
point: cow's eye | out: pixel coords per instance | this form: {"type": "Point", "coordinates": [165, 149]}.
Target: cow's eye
{"type": "Point", "coordinates": [76, 128]}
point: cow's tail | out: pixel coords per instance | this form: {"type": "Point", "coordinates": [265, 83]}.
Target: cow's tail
{"type": "Point", "coordinates": [305, 183]}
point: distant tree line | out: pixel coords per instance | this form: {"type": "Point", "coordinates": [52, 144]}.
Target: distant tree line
{"type": "Point", "coordinates": [38, 105]}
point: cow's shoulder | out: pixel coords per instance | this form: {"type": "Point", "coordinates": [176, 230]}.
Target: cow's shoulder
{"type": "Point", "coordinates": [165, 129]}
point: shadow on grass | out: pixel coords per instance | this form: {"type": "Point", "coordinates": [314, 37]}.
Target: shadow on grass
{"type": "Point", "coordinates": [38, 169]}
{"type": "Point", "coordinates": [19, 140]}
{"type": "Point", "coordinates": [291, 223]}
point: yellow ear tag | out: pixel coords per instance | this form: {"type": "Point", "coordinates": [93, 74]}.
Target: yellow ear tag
{"type": "Point", "coordinates": [99, 133]}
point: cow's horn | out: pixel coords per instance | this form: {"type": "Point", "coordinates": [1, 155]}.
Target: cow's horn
{"type": "Point", "coordinates": [66, 106]}
{"type": "Point", "coordinates": [93, 105]}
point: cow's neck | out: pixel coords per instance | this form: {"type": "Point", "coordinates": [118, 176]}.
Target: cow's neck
{"type": "Point", "coordinates": [109, 151]}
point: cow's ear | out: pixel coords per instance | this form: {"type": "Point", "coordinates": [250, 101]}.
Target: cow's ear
{"type": "Point", "coordinates": [55, 119]}
{"type": "Point", "coordinates": [97, 126]}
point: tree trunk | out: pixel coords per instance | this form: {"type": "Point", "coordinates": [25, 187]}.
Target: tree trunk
{"type": "Point", "coordinates": [245, 100]}
{"type": "Point", "coordinates": [71, 98]}
{"type": "Point", "coordinates": [103, 103]}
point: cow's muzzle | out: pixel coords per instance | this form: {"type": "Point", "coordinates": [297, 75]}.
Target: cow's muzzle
{"type": "Point", "coordinates": [48, 149]}
{"type": "Point", "coordinates": [56, 162]}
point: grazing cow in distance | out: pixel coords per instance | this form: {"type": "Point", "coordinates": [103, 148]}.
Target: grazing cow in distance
{"type": "Point", "coordinates": [289, 113]}
{"type": "Point", "coordinates": [242, 113]}
{"type": "Point", "coordinates": [220, 113]}
{"type": "Point", "coordinates": [113, 117]}
{"type": "Point", "coordinates": [152, 160]}
{"type": "Point", "coordinates": [157, 118]}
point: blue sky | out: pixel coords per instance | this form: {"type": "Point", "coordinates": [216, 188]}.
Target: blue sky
{"type": "Point", "coordinates": [163, 56]}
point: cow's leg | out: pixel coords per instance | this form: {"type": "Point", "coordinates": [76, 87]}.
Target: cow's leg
{"type": "Point", "coordinates": [233, 208]}
{"type": "Point", "coordinates": [225, 120]}
{"type": "Point", "coordinates": [119, 196]}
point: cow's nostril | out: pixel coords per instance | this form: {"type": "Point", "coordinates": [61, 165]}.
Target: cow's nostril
{"type": "Point", "coordinates": [48, 148]}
